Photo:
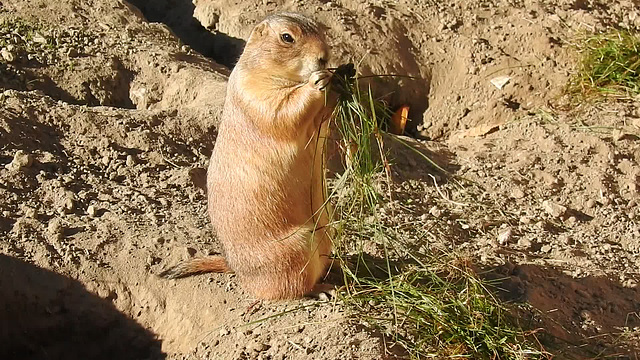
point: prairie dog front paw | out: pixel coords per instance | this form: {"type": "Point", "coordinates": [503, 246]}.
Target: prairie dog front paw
{"type": "Point", "coordinates": [320, 79]}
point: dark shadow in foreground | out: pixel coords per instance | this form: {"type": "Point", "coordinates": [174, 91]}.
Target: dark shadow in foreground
{"type": "Point", "coordinates": [580, 318]}
{"type": "Point", "coordinates": [49, 316]}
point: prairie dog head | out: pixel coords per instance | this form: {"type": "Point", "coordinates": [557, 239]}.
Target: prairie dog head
{"type": "Point", "coordinates": [289, 46]}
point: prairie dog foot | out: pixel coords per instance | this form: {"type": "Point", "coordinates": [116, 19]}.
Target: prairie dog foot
{"type": "Point", "coordinates": [322, 292]}
{"type": "Point", "coordinates": [320, 79]}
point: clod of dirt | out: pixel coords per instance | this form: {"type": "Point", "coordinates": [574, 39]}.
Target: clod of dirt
{"type": "Point", "coordinates": [21, 159]}
{"type": "Point", "coordinates": [553, 209]}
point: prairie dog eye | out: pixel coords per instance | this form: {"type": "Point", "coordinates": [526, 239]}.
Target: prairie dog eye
{"type": "Point", "coordinates": [286, 37]}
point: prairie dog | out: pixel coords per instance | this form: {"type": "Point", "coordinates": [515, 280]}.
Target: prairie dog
{"type": "Point", "coordinates": [265, 181]}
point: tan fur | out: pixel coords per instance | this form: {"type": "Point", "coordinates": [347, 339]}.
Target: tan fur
{"type": "Point", "coordinates": [265, 179]}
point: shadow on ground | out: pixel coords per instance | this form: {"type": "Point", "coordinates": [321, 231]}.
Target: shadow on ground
{"type": "Point", "coordinates": [49, 316]}
{"type": "Point", "coordinates": [580, 317]}
{"type": "Point", "coordinates": [178, 16]}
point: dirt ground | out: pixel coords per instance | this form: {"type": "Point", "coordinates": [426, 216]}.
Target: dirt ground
{"type": "Point", "coordinates": [103, 133]}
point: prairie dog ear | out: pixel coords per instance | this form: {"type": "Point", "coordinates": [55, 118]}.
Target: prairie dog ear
{"type": "Point", "coordinates": [260, 30]}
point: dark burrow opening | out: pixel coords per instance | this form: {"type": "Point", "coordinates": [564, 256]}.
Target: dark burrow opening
{"type": "Point", "coordinates": [178, 16]}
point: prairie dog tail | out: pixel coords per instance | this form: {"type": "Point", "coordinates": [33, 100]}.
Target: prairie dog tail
{"type": "Point", "coordinates": [216, 264]}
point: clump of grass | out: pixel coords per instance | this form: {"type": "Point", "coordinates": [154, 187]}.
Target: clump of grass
{"type": "Point", "coordinates": [609, 66]}
{"type": "Point", "coordinates": [431, 304]}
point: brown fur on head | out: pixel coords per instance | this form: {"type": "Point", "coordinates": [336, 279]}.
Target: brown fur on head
{"type": "Point", "coordinates": [289, 42]}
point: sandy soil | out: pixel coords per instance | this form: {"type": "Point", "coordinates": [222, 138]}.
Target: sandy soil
{"type": "Point", "coordinates": [102, 137]}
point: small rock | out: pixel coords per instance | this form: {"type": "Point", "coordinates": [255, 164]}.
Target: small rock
{"type": "Point", "coordinates": [590, 204]}
{"type": "Point", "coordinates": [500, 81]}
{"type": "Point", "coordinates": [517, 193]}
{"type": "Point", "coordinates": [553, 209]}
{"type": "Point", "coordinates": [566, 240]}
{"type": "Point", "coordinates": [67, 205]}
{"type": "Point", "coordinates": [131, 160]}
{"type": "Point", "coordinates": [7, 55]}
{"type": "Point", "coordinates": [545, 248]}
{"type": "Point", "coordinates": [630, 283]}
{"type": "Point", "coordinates": [546, 177]}
{"type": "Point", "coordinates": [175, 67]}
{"type": "Point", "coordinates": [224, 332]}
{"type": "Point", "coordinates": [505, 235]}
{"type": "Point", "coordinates": [257, 346]}
{"type": "Point", "coordinates": [323, 296]}
{"type": "Point", "coordinates": [39, 39]}
{"type": "Point", "coordinates": [524, 243]}
{"type": "Point", "coordinates": [619, 135]}
{"type": "Point", "coordinates": [30, 212]}
{"type": "Point", "coordinates": [21, 159]}
{"type": "Point", "coordinates": [435, 211]}
{"type": "Point", "coordinates": [91, 210]}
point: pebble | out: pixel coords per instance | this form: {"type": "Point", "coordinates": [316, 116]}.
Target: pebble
{"type": "Point", "coordinates": [553, 209]}
{"type": "Point", "coordinates": [21, 159]}
{"type": "Point", "coordinates": [435, 211]}
{"type": "Point", "coordinates": [257, 346]}
{"type": "Point", "coordinates": [7, 55]}
{"type": "Point", "coordinates": [131, 160]}
{"type": "Point", "coordinates": [566, 239]}
{"type": "Point", "coordinates": [30, 212]}
{"type": "Point", "coordinates": [525, 220]}
{"type": "Point", "coordinates": [224, 332]}
{"type": "Point", "coordinates": [545, 248]}
{"type": "Point", "coordinates": [590, 204]}
{"type": "Point", "coordinates": [67, 205]}
{"type": "Point", "coordinates": [505, 235]}
{"type": "Point", "coordinates": [524, 243]}
{"type": "Point", "coordinates": [500, 81]}
{"type": "Point", "coordinates": [91, 210]}
{"type": "Point", "coordinates": [517, 193]}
